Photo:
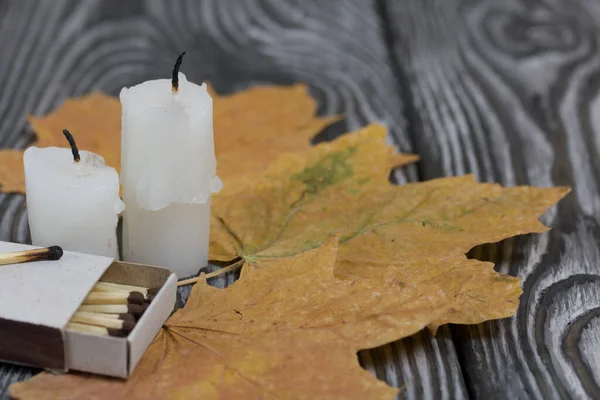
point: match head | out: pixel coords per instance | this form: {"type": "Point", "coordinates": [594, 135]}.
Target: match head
{"type": "Point", "coordinates": [55, 252]}
{"type": "Point", "coordinates": [137, 309]}
{"type": "Point", "coordinates": [126, 317]}
{"type": "Point", "coordinates": [153, 291]}
{"type": "Point", "coordinates": [128, 326]}
{"type": "Point", "coordinates": [116, 332]}
{"type": "Point", "coordinates": [136, 298]}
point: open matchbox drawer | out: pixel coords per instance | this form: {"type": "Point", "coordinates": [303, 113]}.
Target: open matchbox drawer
{"type": "Point", "coordinates": [38, 299]}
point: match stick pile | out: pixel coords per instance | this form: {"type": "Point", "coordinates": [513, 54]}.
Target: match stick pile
{"type": "Point", "coordinates": [111, 309]}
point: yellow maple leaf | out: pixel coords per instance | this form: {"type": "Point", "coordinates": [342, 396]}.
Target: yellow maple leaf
{"type": "Point", "coordinates": [11, 171]}
{"type": "Point", "coordinates": [94, 120]}
{"type": "Point", "coordinates": [255, 126]}
{"type": "Point", "coordinates": [251, 129]}
{"type": "Point", "coordinates": [423, 229]}
{"type": "Point", "coordinates": [335, 259]}
{"type": "Point", "coordinates": [288, 329]}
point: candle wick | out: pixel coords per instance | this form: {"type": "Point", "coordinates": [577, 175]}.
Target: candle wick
{"type": "Point", "coordinates": [175, 80]}
{"type": "Point", "coordinates": [73, 145]}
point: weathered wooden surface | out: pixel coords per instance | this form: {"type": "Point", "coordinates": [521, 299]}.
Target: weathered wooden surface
{"type": "Point", "coordinates": [505, 89]}
{"type": "Point", "coordinates": [508, 90]}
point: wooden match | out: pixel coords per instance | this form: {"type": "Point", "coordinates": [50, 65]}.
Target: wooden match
{"type": "Point", "coordinates": [95, 330]}
{"type": "Point", "coordinates": [17, 257]}
{"type": "Point", "coordinates": [117, 287]}
{"type": "Point", "coordinates": [106, 322]}
{"type": "Point", "coordinates": [124, 316]}
{"type": "Point", "coordinates": [135, 309]}
{"type": "Point", "coordinates": [114, 298]}
{"type": "Point", "coordinates": [109, 287]}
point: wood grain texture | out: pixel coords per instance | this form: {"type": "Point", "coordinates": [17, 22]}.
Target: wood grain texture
{"type": "Point", "coordinates": [52, 50]}
{"type": "Point", "coordinates": [508, 90]}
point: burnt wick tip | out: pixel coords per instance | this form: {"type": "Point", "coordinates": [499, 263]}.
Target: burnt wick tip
{"type": "Point", "coordinates": [55, 252]}
{"type": "Point", "coordinates": [73, 145]}
{"type": "Point", "coordinates": [175, 79]}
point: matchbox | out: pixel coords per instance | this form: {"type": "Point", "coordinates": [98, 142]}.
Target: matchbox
{"type": "Point", "coordinates": [39, 301]}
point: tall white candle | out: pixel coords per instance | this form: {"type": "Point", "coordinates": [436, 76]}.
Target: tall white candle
{"type": "Point", "coordinates": [168, 173]}
{"type": "Point", "coordinates": [72, 204]}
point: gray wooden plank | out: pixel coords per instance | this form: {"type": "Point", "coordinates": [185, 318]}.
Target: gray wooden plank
{"type": "Point", "coordinates": [68, 48]}
{"type": "Point", "coordinates": [423, 366]}
{"type": "Point", "coordinates": [508, 90]}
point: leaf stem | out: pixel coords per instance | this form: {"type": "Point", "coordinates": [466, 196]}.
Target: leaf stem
{"type": "Point", "coordinates": [214, 274]}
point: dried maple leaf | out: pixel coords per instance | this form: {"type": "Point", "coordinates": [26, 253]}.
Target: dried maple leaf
{"type": "Point", "coordinates": [94, 120]}
{"type": "Point", "coordinates": [288, 329]}
{"type": "Point", "coordinates": [251, 128]}
{"type": "Point", "coordinates": [11, 171]}
{"type": "Point", "coordinates": [423, 230]}
{"type": "Point", "coordinates": [306, 303]}
{"type": "Point", "coordinates": [255, 126]}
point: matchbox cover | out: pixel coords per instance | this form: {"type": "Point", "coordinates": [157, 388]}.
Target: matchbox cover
{"type": "Point", "coordinates": [38, 301]}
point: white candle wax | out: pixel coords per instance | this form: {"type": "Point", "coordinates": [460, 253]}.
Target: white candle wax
{"type": "Point", "coordinates": [168, 173]}
{"type": "Point", "coordinates": [73, 205]}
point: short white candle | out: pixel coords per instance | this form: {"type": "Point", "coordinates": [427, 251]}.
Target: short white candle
{"type": "Point", "coordinates": [72, 204]}
{"type": "Point", "coordinates": [168, 173]}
